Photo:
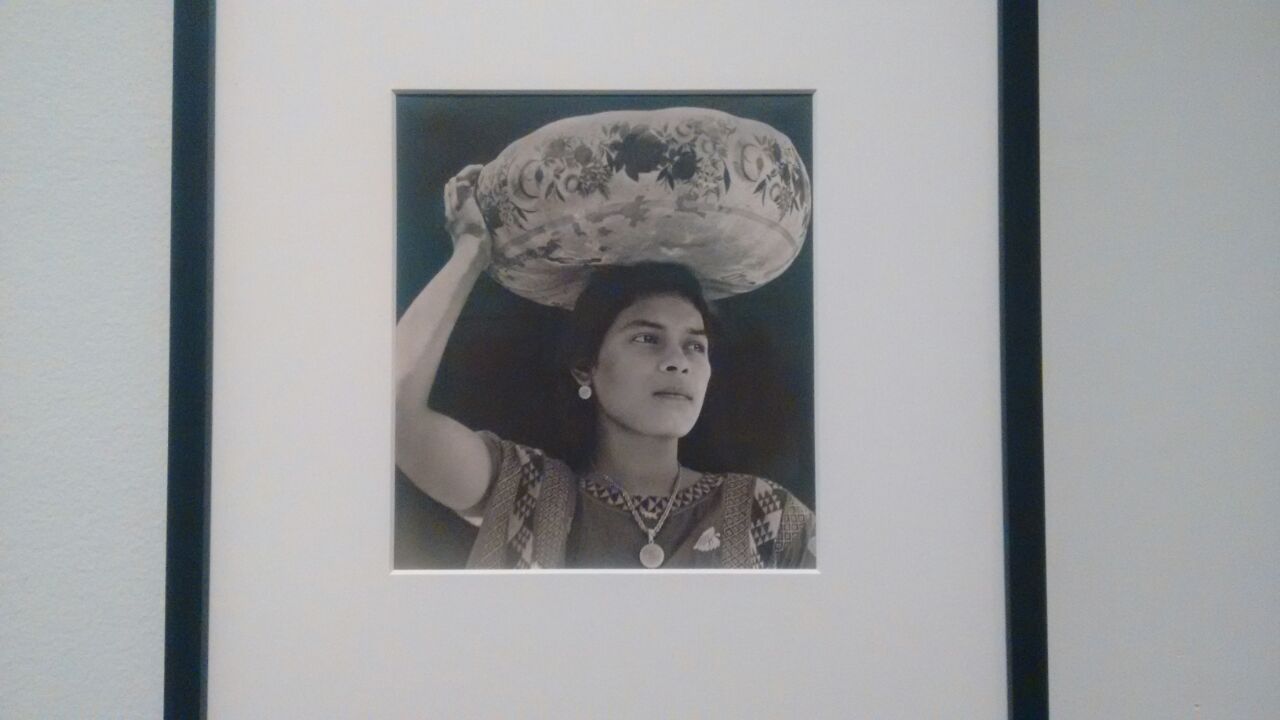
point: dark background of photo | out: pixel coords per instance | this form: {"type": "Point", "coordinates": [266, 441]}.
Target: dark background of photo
{"type": "Point", "coordinates": [497, 373]}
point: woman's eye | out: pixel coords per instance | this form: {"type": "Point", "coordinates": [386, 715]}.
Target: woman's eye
{"type": "Point", "coordinates": [697, 347]}
{"type": "Point", "coordinates": [646, 338]}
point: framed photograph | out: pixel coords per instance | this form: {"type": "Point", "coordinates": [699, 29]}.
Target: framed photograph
{"type": "Point", "coordinates": [713, 184]}
{"type": "Point", "coordinates": [520, 352]}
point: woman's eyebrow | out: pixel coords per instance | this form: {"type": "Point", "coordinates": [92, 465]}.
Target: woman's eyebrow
{"type": "Point", "coordinates": [640, 322]}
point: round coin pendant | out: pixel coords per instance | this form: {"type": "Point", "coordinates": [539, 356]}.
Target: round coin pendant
{"type": "Point", "coordinates": [651, 555]}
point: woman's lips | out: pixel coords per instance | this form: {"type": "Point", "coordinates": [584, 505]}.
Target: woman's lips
{"type": "Point", "coordinates": [672, 395]}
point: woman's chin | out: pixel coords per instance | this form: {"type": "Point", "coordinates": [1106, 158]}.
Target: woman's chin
{"type": "Point", "coordinates": [668, 428]}
{"type": "Point", "coordinates": [675, 421]}
{"type": "Point", "coordinates": [673, 429]}
{"type": "Point", "coordinates": [663, 419]}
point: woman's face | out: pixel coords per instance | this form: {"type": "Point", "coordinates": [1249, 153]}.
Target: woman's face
{"type": "Point", "coordinates": [652, 372]}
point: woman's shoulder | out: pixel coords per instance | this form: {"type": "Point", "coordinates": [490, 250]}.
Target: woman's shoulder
{"type": "Point", "coordinates": [780, 525]}
{"type": "Point", "coordinates": [511, 456]}
{"type": "Point", "coordinates": [525, 480]}
{"type": "Point", "coordinates": [768, 494]}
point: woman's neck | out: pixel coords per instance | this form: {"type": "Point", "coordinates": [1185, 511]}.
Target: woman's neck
{"type": "Point", "coordinates": [639, 464]}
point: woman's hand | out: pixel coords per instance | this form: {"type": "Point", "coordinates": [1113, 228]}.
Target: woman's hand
{"type": "Point", "coordinates": [462, 215]}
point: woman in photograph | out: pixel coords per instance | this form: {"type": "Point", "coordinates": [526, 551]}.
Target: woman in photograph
{"type": "Point", "coordinates": [634, 371]}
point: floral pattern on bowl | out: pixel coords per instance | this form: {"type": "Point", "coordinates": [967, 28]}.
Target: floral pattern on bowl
{"type": "Point", "coordinates": [726, 196]}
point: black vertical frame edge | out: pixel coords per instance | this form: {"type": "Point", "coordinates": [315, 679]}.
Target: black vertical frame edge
{"type": "Point", "coordinates": [1020, 350]}
{"type": "Point", "coordinates": [190, 362]}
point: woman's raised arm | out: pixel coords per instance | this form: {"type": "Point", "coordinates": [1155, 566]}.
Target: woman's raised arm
{"type": "Point", "coordinates": [441, 456]}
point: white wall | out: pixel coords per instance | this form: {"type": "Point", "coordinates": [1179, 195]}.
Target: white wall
{"type": "Point", "coordinates": [84, 266]}
{"type": "Point", "coordinates": [1161, 249]}
{"type": "Point", "coordinates": [1162, 332]}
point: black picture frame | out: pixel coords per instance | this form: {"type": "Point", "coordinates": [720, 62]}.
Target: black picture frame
{"type": "Point", "coordinates": [191, 346]}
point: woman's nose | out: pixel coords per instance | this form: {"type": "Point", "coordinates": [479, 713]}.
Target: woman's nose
{"type": "Point", "coordinates": [675, 362]}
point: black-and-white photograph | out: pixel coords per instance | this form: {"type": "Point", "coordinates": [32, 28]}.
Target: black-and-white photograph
{"type": "Point", "coordinates": [604, 337]}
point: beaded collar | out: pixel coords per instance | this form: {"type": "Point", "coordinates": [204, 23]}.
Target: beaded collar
{"type": "Point", "coordinates": [650, 507]}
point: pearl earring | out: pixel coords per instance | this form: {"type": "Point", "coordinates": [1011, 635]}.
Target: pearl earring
{"type": "Point", "coordinates": [584, 392]}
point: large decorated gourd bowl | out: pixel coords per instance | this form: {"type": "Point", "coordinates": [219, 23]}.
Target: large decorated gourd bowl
{"type": "Point", "coordinates": [727, 197]}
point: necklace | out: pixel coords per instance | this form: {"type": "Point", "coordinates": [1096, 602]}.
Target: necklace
{"type": "Point", "coordinates": [651, 555]}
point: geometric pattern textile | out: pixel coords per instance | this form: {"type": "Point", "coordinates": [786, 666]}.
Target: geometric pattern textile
{"type": "Point", "coordinates": [530, 508]}
{"type": "Point", "coordinates": [651, 507]}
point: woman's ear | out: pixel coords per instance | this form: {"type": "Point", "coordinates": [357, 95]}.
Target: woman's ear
{"type": "Point", "coordinates": [582, 377]}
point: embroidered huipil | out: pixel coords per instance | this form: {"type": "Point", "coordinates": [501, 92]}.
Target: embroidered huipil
{"type": "Point", "coordinates": [540, 514]}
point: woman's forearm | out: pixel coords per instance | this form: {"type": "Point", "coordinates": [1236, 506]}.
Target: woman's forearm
{"type": "Point", "coordinates": [424, 329]}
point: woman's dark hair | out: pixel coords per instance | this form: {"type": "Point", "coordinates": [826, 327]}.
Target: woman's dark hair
{"type": "Point", "coordinates": [611, 290]}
